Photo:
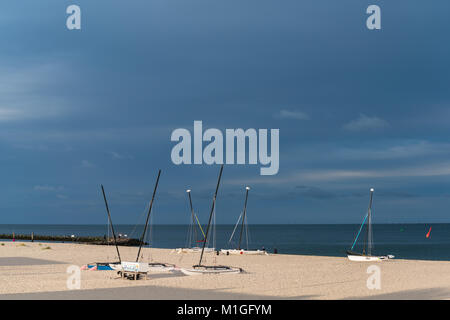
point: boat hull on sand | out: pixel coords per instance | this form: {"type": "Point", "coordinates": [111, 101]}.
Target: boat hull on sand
{"type": "Point", "coordinates": [99, 266]}
{"type": "Point", "coordinates": [362, 257]}
{"type": "Point", "coordinates": [152, 267]}
{"type": "Point", "coordinates": [193, 250]}
{"type": "Point", "coordinates": [202, 270]}
{"type": "Point", "coordinates": [243, 252]}
{"type": "Point", "coordinates": [161, 267]}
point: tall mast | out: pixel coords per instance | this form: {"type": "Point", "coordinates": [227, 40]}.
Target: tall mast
{"type": "Point", "coordinates": [110, 222]}
{"type": "Point", "coordinates": [141, 242]}
{"type": "Point", "coordinates": [211, 214]}
{"type": "Point", "coordinates": [369, 233]}
{"type": "Point", "coordinates": [194, 229]}
{"type": "Point", "coordinates": [243, 217]}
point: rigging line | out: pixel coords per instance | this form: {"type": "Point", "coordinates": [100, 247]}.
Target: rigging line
{"type": "Point", "coordinates": [244, 215]}
{"type": "Point", "coordinates": [235, 227]}
{"type": "Point", "coordinates": [150, 238]}
{"type": "Point", "coordinates": [150, 234]}
{"type": "Point", "coordinates": [214, 229]}
{"type": "Point", "coordinates": [371, 230]}
{"type": "Point", "coordinates": [107, 239]}
{"type": "Point", "coordinates": [369, 224]}
{"type": "Point", "coordinates": [110, 221]}
{"type": "Point", "coordinates": [148, 215]}
{"type": "Point", "coordinates": [192, 233]}
{"type": "Point", "coordinates": [201, 229]}
{"type": "Point", "coordinates": [140, 218]}
{"type": "Point", "coordinates": [188, 243]}
{"type": "Point", "coordinates": [246, 230]}
{"type": "Point", "coordinates": [210, 215]}
{"type": "Point", "coordinates": [362, 225]}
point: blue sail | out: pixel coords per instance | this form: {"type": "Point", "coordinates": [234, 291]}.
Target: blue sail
{"type": "Point", "coordinates": [356, 239]}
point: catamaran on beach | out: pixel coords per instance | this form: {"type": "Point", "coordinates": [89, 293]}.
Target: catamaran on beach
{"type": "Point", "coordinates": [152, 266]}
{"type": "Point", "coordinates": [199, 268]}
{"type": "Point", "coordinates": [243, 219]}
{"type": "Point", "coordinates": [366, 254]}
{"type": "Point", "coordinates": [193, 232]}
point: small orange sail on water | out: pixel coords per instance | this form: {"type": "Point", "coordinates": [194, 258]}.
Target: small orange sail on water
{"type": "Point", "coordinates": [429, 232]}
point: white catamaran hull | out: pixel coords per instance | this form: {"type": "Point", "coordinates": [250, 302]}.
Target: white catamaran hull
{"type": "Point", "coordinates": [368, 258]}
{"type": "Point", "coordinates": [161, 267]}
{"type": "Point", "coordinates": [246, 252]}
{"type": "Point", "coordinates": [196, 272]}
{"type": "Point", "coordinates": [115, 266]}
{"type": "Point", "coordinates": [151, 267]}
{"type": "Point", "coordinates": [193, 250]}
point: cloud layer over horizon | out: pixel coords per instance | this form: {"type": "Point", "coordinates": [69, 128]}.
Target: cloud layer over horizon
{"type": "Point", "coordinates": [355, 108]}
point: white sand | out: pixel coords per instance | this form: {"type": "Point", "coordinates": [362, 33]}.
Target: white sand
{"type": "Point", "coordinates": [272, 276]}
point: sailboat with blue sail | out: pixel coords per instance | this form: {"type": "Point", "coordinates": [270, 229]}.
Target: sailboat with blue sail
{"type": "Point", "coordinates": [366, 254]}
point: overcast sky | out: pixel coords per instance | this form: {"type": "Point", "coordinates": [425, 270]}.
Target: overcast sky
{"type": "Point", "coordinates": [355, 108]}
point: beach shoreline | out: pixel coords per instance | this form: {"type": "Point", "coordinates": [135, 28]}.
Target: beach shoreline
{"type": "Point", "coordinates": [34, 270]}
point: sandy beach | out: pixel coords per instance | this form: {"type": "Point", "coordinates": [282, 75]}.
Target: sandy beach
{"type": "Point", "coordinates": [39, 271]}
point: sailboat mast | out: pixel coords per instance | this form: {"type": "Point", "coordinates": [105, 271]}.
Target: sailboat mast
{"type": "Point", "coordinates": [210, 215]}
{"type": "Point", "coordinates": [141, 242]}
{"type": "Point", "coordinates": [110, 222]}
{"type": "Point", "coordinates": [243, 217]}
{"type": "Point", "coordinates": [194, 229]}
{"type": "Point", "coordinates": [369, 233]}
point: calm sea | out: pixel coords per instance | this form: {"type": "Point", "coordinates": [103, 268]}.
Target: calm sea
{"type": "Point", "coordinates": [405, 241]}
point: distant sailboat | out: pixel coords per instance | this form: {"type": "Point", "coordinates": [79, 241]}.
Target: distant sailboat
{"type": "Point", "coordinates": [366, 255]}
{"type": "Point", "coordinates": [203, 269]}
{"type": "Point", "coordinates": [194, 227]}
{"type": "Point", "coordinates": [428, 234]}
{"type": "Point", "coordinates": [244, 225]}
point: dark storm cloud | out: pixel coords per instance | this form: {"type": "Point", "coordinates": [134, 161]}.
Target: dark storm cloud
{"type": "Point", "coordinates": [355, 108]}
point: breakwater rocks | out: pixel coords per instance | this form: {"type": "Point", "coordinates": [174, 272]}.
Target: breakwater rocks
{"type": "Point", "coordinates": [86, 240]}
